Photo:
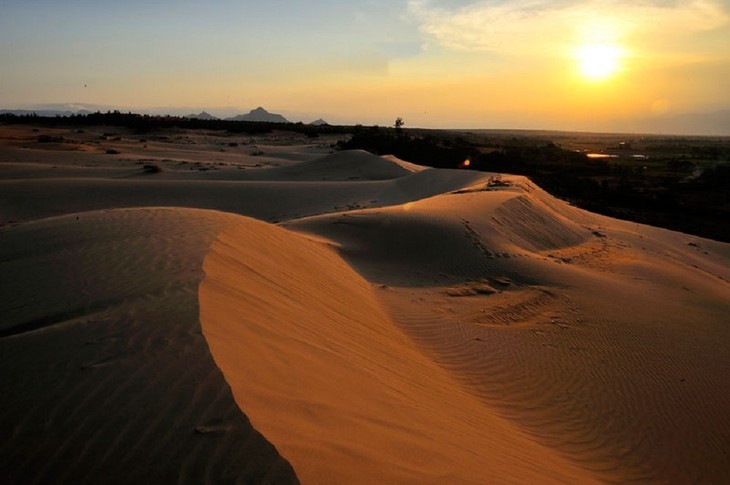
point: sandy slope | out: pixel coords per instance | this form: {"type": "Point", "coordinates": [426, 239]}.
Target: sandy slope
{"type": "Point", "coordinates": [344, 394]}
{"type": "Point", "coordinates": [403, 326]}
{"type": "Point", "coordinates": [105, 374]}
{"type": "Point", "coordinates": [607, 341]}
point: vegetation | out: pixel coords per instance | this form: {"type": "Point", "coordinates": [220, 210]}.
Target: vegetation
{"type": "Point", "coordinates": [681, 183]}
{"type": "Point", "coordinates": [151, 168]}
{"type": "Point", "coordinates": [148, 123]}
{"type": "Point", "coordinates": [430, 149]}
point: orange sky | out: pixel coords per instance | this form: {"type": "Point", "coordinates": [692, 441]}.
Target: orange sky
{"type": "Point", "coordinates": [479, 64]}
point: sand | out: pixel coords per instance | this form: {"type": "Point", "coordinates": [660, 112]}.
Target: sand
{"type": "Point", "coordinates": [276, 312]}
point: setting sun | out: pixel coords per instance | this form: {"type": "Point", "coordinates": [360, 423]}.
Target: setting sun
{"type": "Point", "coordinates": [598, 61]}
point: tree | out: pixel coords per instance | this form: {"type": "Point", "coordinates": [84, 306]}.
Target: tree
{"type": "Point", "coordinates": [399, 124]}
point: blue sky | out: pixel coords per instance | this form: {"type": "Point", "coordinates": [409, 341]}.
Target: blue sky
{"type": "Point", "coordinates": [509, 63]}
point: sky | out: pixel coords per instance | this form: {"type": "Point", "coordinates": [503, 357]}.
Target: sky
{"type": "Point", "coordinates": [565, 64]}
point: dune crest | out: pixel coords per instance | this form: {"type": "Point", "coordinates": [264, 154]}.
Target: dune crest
{"type": "Point", "coordinates": [345, 165]}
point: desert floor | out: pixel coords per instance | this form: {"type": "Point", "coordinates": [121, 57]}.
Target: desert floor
{"type": "Point", "coordinates": [201, 307]}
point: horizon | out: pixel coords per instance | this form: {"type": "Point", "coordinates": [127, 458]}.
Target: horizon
{"type": "Point", "coordinates": [227, 113]}
{"type": "Point", "coordinates": [561, 66]}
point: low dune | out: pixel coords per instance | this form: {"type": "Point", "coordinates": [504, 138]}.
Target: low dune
{"type": "Point", "coordinates": [398, 325]}
{"type": "Point", "coordinates": [33, 190]}
{"type": "Point", "coordinates": [347, 165]}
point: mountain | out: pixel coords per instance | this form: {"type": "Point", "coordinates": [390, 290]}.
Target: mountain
{"type": "Point", "coordinates": [260, 114]}
{"type": "Point", "coordinates": [203, 115]}
{"type": "Point", "coordinates": [319, 122]}
{"type": "Point", "coordinates": [42, 112]}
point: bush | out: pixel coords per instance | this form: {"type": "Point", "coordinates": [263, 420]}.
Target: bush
{"type": "Point", "coordinates": [151, 168]}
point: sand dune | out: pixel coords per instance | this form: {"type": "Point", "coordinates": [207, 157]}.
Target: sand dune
{"type": "Point", "coordinates": [106, 376]}
{"type": "Point", "coordinates": [346, 165]}
{"type": "Point", "coordinates": [400, 325]}
{"type": "Point", "coordinates": [271, 194]}
{"type": "Point", "coordinates": [602, 339]}
{"type": "Point", "coordinates": [345, 395]}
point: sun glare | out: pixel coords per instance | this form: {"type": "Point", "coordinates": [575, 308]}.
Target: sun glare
{"type": "Point", "coordinates": [597, 62]}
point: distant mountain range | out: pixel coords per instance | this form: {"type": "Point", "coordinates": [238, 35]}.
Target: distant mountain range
{"type": "Point", "coordinates": [203, 115]}
{"type": "Point", "coordinates": [261, 115]}
{"type": "Point", "coordinates": [716, 123]}
{"type": "Point", "coordinates": [43, 112]}
{"type": "Point", "coordinates": [258, 115]}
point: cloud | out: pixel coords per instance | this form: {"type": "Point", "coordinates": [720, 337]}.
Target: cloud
{"type": "Point", "coordinates": [506, 26]}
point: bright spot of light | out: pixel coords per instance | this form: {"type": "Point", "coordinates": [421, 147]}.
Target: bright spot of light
{"type": "Point", "coordinates": [599, 61]}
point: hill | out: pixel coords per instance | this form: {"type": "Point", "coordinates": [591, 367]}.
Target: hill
{"type": "Point", "coordinates": [261, 115]}
{"type": "Point", "coordinates": [203, 115]}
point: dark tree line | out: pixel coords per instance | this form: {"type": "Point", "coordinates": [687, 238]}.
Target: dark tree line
{"type": "Point", "coordinates": [428, 149]}
{"type": "Point", "coordinates": [699, 205]}
{"type": "Point", "coordinates": [141, 123]}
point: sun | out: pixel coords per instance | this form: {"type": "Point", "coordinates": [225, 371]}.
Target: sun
{"type": "Point", "coordinates": [597, 62]}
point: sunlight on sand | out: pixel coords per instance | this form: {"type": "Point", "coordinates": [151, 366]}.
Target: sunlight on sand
{"type": "Point", "coordinates": [289, 313]}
